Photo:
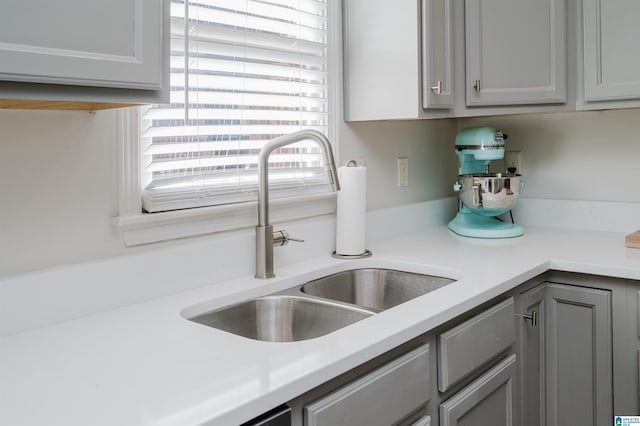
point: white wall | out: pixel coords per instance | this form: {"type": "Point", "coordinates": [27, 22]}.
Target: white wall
{"type": "Point", "coordinates": [592, 155]}
{"type": "Point", "coordinates": [428, 144]}
{"type": "Point", "coordinates": [58, 188]}
{"type": "Point", "coordinates": [59, 172]}
{"type": "Point", "coordinates": [60, 194]}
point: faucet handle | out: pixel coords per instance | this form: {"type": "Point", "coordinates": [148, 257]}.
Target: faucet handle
{"type": "Point", "coordinates": [281, 238]}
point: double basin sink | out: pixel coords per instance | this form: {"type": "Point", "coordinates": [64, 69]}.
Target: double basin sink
{"type": "Point", "coordinates": [321, 306]}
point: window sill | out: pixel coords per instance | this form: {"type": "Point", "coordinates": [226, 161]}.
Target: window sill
{"type": "Point", "coordinates": [147, 228]}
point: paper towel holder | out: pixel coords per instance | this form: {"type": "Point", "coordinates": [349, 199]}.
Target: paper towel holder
{"type": "Point", "coordinates": [366, 253]}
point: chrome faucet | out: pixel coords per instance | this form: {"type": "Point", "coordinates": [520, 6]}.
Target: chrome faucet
{"type": "Point", "coordinates": [266, 239]}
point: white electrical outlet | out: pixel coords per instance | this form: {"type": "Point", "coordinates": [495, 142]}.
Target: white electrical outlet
{"type": "Point", "coordinates": [403, 171]}
{"type": "Point", "coordinates": [513, 159]}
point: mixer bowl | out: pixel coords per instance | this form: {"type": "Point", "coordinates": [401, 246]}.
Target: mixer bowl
{"type": "Point", "coordinates": [490, 194]}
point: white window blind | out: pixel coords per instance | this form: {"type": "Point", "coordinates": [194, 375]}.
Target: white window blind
{"type": "Point", "coordinates": [242, 72]}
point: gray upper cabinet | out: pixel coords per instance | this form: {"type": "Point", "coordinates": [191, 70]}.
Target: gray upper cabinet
{"type": "Point", "coordinates": [119, 45]}
{"type": "Point", "coordinates": [442, 58]}
{"type": "Point", "coordinates": [611, 63]}
{"type": "Point", "coordinates": [437, 53]}
{"type": "Point", "coordinates": [515, 52]}
{"type": "Point", "coordinates": [398, 59]}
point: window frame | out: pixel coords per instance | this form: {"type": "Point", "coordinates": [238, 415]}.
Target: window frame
{"type": "Point", "coordinates": [138, 228]}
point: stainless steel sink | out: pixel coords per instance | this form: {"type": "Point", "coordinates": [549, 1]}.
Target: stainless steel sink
{"type": "Point", "coordinates": [282, 318]}
{"type": "Point", "coordinates": [321, 306]}
{"type": "Point", "coordinates": [374, 289]}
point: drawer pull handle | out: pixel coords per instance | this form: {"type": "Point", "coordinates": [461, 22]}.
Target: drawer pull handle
{"type": "Point", "coordinates": [422, 421]}
{"type": "Point", "coordinates": [533, 317]}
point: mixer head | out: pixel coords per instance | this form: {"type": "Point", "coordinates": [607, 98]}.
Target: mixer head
{"type": "Point", "coordinates": [476, 147]}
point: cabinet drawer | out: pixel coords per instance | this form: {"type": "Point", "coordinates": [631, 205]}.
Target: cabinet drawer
{"type": "Point", "coordinates": [474, 342]}
{"type": "Point", "coordinates": [382, 397]}
{"type": "Point", "coordinates": [489, 400]}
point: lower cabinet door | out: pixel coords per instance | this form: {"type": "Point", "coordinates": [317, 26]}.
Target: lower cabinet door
{"type": "Point", "coordinates": [488, 401]}
{"type": "Point", "coordinates": [566, 356]}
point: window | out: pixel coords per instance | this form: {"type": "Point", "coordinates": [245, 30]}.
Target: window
{"type": "Point", "coordinates": [242, 72]}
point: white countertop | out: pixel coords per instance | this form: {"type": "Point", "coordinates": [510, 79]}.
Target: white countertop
{"type": "Point", "coordinates": [145, 364]}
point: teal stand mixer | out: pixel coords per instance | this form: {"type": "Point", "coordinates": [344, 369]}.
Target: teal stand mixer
{"type": "Point", "coordinates": [484, 196]}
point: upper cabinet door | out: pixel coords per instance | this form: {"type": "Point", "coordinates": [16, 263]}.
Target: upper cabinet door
{"type": "Point", "coordinates": [115, 43]}
{"type": "Point", "coordinates": [515, 52]}
{"type": "Point", "coordinates": [437, 53]}
{"type": "Point", "coordinates": [611, 61]}
{"type": "Point", "coordinates": [394, 53]}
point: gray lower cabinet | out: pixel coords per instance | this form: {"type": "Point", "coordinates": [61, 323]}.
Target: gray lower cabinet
{"type": "Point", "coordinates": [383, 397]}
{"type": "Point", "coordinates": [477, 369]}
{"type": "Point", "coordinates": [566, 355]}
{"type": "Point", "coordinates": [489, 400]}
{"type": "Point", "coordinates": [626, 350]}
{"type": "Point", "coordinates": [467, 346]}
{"type": "Point", "coordinates": [562, 349]}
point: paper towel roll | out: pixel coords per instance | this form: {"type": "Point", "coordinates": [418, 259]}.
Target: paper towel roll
{"type": "Point", "coordinates": [351, 211]}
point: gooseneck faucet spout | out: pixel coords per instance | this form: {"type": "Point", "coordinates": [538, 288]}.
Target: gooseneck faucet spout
{"type": "Point", "coordinates": [265, 237]}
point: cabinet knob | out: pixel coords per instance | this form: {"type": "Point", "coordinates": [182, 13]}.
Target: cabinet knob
{"type": "Point", "coordinates": [533, 317]}
{"type": "Point", "coordinates": [437, 89]}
